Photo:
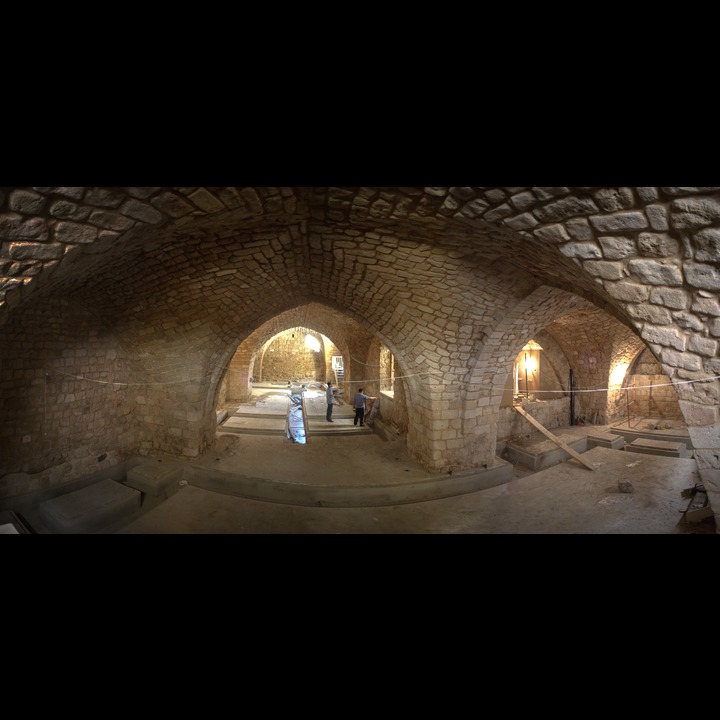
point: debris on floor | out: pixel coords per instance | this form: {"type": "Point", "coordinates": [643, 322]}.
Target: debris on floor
{"type": "Point", "coordinates": [698, 508]}
{"type": "Point", "coordinates": [625, 486]}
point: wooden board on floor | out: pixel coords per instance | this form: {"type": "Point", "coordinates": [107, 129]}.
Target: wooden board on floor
{"type": "Point", "coordinates": [555, 439]}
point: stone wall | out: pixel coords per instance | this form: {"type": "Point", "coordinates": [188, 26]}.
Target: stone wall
{"type": "Point", "coordinates": [67, 407]}
{"type": "Point", "coordinates": [653, 395]}
{"type": "Point", "coordinates": [288, 358]}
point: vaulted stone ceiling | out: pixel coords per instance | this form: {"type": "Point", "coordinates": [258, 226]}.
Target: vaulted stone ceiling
{"type": "Point", "coordinates": [188, 245]}
{"type": "Point", "coordinates": [162, 280]}
{"type": "Point", "coordinates": [134, 255]}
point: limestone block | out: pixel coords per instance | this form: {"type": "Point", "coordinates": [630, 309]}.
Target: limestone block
{"type": "Point", "coordinates": [91, 508]}
{"type": "Point", "coordinates": [648, 446]}
{"type": "Point", "coordinates": [154, 478]}
{"type": "Point", "coordinates": [603, 439]}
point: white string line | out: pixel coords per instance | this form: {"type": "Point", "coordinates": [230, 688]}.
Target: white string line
{"type": "Point", "coordinates": [395, 377]}
{"type": "Point", "coordinates": [398, 377]}
{"type": "Point", "coordinates": [632, 387]}
{"type": "Point", "coordinates": [360, 362]}
{"type": "Point", "coordinates": [129, 384]}
{"type": "Point", "coordinates": [179, 382]}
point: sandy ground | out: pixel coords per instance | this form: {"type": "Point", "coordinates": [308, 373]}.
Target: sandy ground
{"type": "Point", "coordinates": [565, 499]}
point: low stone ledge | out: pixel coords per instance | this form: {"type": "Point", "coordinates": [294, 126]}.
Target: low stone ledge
{"type": "Point", "coordinates": [658, 447]}
{"type": "Point", "coordinates": [155, 478]}
{"type": "Point", "coordinates": [91, 508]}
{"type": "Point", "coordinates": [603, 439]}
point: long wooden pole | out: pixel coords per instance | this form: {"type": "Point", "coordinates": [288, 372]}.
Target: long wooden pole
{"type": "Point", "coordinates": [627, 402]}
{"type": "Point", "coordinates": [555, 439]}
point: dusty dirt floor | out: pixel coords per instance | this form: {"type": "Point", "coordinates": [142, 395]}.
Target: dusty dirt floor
{"type": "Point", "coordinates": [565, 499]}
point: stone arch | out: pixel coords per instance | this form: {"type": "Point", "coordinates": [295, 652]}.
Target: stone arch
{"type": "Point", "coordinates": [644, 391]}
{"type": "Point", "coordinates": [359, 344]}
{"type": "Point", "coordinates": [414, 265]}
{"type": "Point", "coordinates": [562, 316]}
{"type": "Point", "coordinates": [486, 377]}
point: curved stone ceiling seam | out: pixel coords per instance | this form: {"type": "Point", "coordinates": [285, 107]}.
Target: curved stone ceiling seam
{"type": "Point", "coordinates": [544, 203]}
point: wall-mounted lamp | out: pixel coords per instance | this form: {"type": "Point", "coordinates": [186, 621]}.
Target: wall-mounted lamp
{"type": "Point", "coordinates": [530, 360]}
{"type": "Point", "coordinates": [532, 345]}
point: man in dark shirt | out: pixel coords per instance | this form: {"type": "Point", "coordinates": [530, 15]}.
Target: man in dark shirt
{"type": "Point", "coordinates": [359, 405]}
{"type": "Point", "coordinates": [330, 395]}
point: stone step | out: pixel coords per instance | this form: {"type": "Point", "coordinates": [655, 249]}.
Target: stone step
{"type": "Point", "coordinates": [414, 490]}
{"type": "Point", "coordinates": [649, 446]}
{"type": "Point", "coordinates": [155, 478]}
{"type": "Point", "coordinates": [336, 428]}
{"type": "Point", "coordinates": [252, 431]}
{"type": "Point", "coordinates": [605, 439]}
{"type": "Point", "coordinates": [677, 435]}
{"type": "Point", "coordinates": [270, 425]}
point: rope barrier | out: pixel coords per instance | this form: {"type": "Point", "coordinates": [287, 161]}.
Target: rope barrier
{"type": "Point", "coordinates": [396, 377]}
{"type": "Point", "coordinates": [617, 389]}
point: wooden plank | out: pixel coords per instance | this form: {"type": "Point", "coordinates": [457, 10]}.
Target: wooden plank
{"type": "Point", "coordinates": [554, 438]}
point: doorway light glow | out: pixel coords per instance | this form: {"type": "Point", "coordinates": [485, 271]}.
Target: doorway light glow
{"type": "Point", "coordinates": [312, 343]}
{"type": "Point", "coordinates": [617, 375]}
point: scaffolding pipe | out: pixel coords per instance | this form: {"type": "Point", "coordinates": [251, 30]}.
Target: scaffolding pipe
{"type": "Point", "coordinates": [527, 392]}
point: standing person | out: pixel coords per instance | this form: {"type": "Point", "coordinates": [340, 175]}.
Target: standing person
{"type": "Point", "coordinates": [330, 397]}
{"type": "Point", "coordinates": [359, 404]}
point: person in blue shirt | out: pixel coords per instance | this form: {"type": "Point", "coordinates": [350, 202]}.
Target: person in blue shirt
{"type": "Point", "coordinates": [359, 405]}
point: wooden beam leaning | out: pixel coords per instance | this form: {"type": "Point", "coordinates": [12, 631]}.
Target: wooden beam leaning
{"type": "Point", "coordinates": [555, 439]}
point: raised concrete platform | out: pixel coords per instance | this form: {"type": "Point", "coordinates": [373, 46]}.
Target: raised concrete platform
{"type": "Point", "coordinates": [641, 429]}
{"type": "Point", "coordinates": [269, 423]}
{"type": "Point", "coordinates": [565, 499]}
{"type": "Point", "coordinates": [605, 439]}
{"type": "Point", "coordinates": [13, 523]}
{"type": "Point", "coordinates": [256, 425]}
{"type": "Point", "coordinates": [544, 454]}
{"type": "Point", "coordinates": [649, 446]}
{"type": "Point", "coordinates": [155, 478]}
{"type": "Point", "coordinates": [306, 494]}
{"type": "Point", "coordinates": [90, 509]}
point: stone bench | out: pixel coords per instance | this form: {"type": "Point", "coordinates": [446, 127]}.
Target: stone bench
{"type": "Point", "coordinates": [658, 447]}
{"type": "Point", "coordinates": [154, 478]}
{"type": "Point", "coordinates": [91, 508]}
{"type": "Point", "coordinates": [605, 439]}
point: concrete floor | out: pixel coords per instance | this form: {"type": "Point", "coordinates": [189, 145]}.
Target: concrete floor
{"type": "Point", "coordinates": [567, 498]}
